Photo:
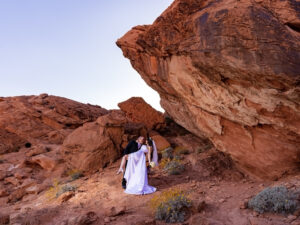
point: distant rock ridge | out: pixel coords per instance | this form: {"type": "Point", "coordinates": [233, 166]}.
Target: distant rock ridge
{"type": "Point", "coordinates": [44, 118]}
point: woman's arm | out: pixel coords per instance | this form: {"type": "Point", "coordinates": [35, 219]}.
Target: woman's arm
{"type": "Point", "coordinates": [149, 153]}
{"type": "Point", "coordinates": [122, 166]}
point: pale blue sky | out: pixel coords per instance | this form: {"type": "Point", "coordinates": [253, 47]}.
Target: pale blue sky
{"type": "Point", "coordinates": [67, 48]}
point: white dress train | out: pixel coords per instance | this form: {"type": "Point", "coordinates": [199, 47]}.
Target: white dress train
{"type": "Point", "coordinates": [136, 174]}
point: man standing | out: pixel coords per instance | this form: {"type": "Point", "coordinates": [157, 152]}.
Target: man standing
{"type": "Point", "coordinates": [133, 146]}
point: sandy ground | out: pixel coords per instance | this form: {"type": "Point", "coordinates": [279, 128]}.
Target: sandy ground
{"type": "Point", "coordinates": [99, 199]}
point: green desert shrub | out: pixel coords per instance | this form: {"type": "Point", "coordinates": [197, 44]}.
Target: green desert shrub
{"type": "Point", "coordinates": [75, 174]}
{"type": "Point", "coordinates": [65, 188]}
{"type": "Point", "coordinates": [174, 167]}
{"type": "Point", "coordinates": [171, 206]}
{"type": "Point", "coordinates": [58, 189]}
{"type": "Point", "coordinates": [274, 199]}
{"type": "Point", "coordinates": [167, 153]}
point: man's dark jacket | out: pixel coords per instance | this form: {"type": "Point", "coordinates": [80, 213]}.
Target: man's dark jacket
{"type": "Point", "coordinates": [131, 147]}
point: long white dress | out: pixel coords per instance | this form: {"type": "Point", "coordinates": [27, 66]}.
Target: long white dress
{"type": "Point", "coordinates": [136, 173]}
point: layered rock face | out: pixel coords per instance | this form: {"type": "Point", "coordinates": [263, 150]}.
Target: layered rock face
{"type": "Point", "coordinates": [230, 71]}
{"type": "Point", "coordinates": [95, 144]}
{"type": "Point", "coordinates": [139, 111]}
{"type": "Point", "coordinates": [41, 119]}
{"type": "Point", "coordinates": [44, 138]}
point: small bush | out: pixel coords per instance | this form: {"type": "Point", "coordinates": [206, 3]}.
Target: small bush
{"type": "Point", "coordinates": [167, 153]}
{"type": "Point", "coordinates": [75, 174]}
{"type": "Point", "coordinates": [163, 162]}
{"type": "Point", "coordinates": [57, 189]}
{"type": "Point", "coordinates": [171, 206]}
{"type": "Point", "coordinates": [174, 167]}
{"type": "Point", "coordinates": [274, 199]}
{"type": "Point", "coordinates": [65, 188]}
{"type": "Point", "coordinates": [51, 192]}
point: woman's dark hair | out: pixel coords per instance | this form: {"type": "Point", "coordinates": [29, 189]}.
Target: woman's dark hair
{"type": "Point", "coordinates": [150, 142]}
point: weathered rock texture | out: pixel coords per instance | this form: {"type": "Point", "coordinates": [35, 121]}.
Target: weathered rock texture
{"type": "Point", "coordinates": [228, 70]}
{"type": "Point", "coordinates": [95, 144]}
{"type": "Point", "coordinates": [43, 118]}
{"type": "Point", "coordinates": [139, 111]}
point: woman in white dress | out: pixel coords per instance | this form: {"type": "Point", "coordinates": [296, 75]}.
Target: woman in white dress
{"type": "Point", "coordinates": [136, 171]}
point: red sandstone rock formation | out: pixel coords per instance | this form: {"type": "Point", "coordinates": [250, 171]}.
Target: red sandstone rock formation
{"type": "Point", "coordinates": [230, 71]}
{"type": "Point", "coordinates": [138, 111]}
{"type": "Point", "coordinates": [32, 179]}
{"type": "Point", "coordinates": [42, 118]}
{"type": "Point", "coordinates": [96, 144]}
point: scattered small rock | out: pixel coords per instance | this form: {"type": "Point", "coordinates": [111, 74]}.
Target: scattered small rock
{"type": "Point", "coordinates": [3, 193]}
{"type": "Point", "coordinates": [222, 200]}
{"type": "Point", "coordinates": [244, 205]}
{"type": "Point", "coordinates": [88, 218]}
{"type": "Point", "coordinates": [28, 182]}
{"type": "Point", "coordinates": [116, 211]}
{"type": "Point", "coordinates": [36, 151]}
{"type": "Point", "coordinates": [17, 195]}
{"type": "Point", "coordinates": [20, 174]}
{"type": "Point", "coordinates": [11, 180]}
{"type": "Point", "coordinates": [44, 161]}
{"type": "Point", "coordinates": [33, 189]}
{"type": "Point", "coordinates": [211, 185]}
{"type": "Point", "coordinates": [2, 175]}
{"type": "Point", "coordinates": [65, 196]}
{"type": "Point", "coordinates": [291, 218]}
{"type": "Point", "coordinates": [295, 222]}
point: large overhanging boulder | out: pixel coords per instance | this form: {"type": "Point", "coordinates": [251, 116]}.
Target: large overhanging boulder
{"type": "Point", "coordinates": [230, 71]}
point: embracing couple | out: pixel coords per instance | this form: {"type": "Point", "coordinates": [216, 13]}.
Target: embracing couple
{"type": "Point", "coordinates": [135, 177]}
